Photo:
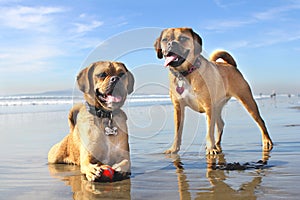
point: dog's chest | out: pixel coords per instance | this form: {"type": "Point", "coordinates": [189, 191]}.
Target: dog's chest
{"type": "Point", "coordinates": [100, 133]}
{"type": "Point", "coordinates": [183, 91]}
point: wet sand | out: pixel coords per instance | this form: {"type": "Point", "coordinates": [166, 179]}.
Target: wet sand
{"type": "Point", "coordinates": [27, 137]}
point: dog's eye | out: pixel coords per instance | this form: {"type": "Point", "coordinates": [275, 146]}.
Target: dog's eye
{"type": "Point", "coordinates": [102, 75]}
{"type": "Point", "coordinates": [183, 38]}
{"type": "Point", "coordinates": [164, 40]}
{"type": "Point", "coordinates": [121, 74]}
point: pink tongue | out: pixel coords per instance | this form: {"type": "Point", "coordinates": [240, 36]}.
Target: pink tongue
{"type": "Point", "coordinates": [169, 59]}
{"type": "Point", "coordinates": [114, 99]}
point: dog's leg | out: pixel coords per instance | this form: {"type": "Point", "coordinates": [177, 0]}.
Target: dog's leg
{"type": "Point", "coordinates": [179, 121]}
{"type": "Point", "coordinates": [123, 166]}
{"type": "Point", "coordinates": [220, 126]}
{"type": "Point", "coordinates": [210, 138]}
{"type": "Point", "coordinates": [92, 170]}
{"type": "Point", "coordinates": [251, 106]}
{"type": "Point", "coordinates": [58, 153]}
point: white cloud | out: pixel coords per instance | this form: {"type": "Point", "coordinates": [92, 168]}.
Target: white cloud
{"type": "Point", "coordinates": [221, 25]}
{"type": "Point", "coordinates": [277, 37]}
{"type": "Point", "coordinates": [29, 58]}
{"type": "Point", "coordinates": [275, 12]}
{"type": "Point", "coordinates": [24, 17]}
{"type": "Point", "coordinates": [272, 26]}
{"type": "Point", "coordinates": [239, 44]}
{"type": "Point", "coordinates": [86, 23]}
{"type": "Point", "coordinates": [83, 15]}
{"type": "Point", "coordinates": [269, 38]}
{"type": "Point", "coordinates": [219, 3]}
{"type": "Point", "coordinates": [55, 39]}
{"type": "Point", "coordinates": [4, 55]}
{"type": "Point", "coordinates": [224, 4]}
{"type": "Point", "coordinates": [84, 27]}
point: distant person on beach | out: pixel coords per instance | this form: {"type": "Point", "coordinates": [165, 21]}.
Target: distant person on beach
{"type": "Point", "coordinates": [273, 95]}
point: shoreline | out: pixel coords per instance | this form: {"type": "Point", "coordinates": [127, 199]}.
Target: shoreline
{"type": "Point", "coordinates": [27, 137]}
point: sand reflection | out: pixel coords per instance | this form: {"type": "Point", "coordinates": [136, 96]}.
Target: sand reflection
{"type": "Point", "coordinates": [83, 189]}
{"type": "Point", "coordinates": [218, 179]}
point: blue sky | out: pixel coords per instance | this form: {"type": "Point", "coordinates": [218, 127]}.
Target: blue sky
{"type": "Point", "coordinates": [45, 43]}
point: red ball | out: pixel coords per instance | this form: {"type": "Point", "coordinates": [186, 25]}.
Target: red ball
{"type": "Point", "coordinates": [108, 172]}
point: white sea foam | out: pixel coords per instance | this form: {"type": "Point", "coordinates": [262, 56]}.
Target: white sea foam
{"type": "Point", "coordinates": [135, 100]}
{"type": "Point", "coordinates": [132, 100]}
{"type": "Point", "coordinates": [147, 100]}
{"type": "Point", "coordinates": [35, 100]}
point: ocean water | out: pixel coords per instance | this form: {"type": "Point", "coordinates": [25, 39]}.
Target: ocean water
{"type": "Point", "coordinates": [30, 125]}
{"type": "Point", "coordinates": [36, 103]}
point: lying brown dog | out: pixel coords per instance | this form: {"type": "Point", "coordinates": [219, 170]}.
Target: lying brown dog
{"type": "Point", "coordinates": [204, 86]}
{"type": "Point", "coordinates": [98, 129]}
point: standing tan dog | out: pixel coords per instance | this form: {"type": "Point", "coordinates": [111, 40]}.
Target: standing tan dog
{"type": "Point", "coordinates": [98, 135]}
{"type": "Point", "coordinates": [204, 86]}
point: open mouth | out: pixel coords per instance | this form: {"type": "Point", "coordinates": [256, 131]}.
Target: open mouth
{"type": "Point", "coordinates": [109, 97]}
{"type": "Point", "coordinates": [175, 60]}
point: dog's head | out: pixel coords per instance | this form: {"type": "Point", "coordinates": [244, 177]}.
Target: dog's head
{"type": "Point", "coordinates": [106, 84]}
{"type": "Point", "coordinates": [179, 46]}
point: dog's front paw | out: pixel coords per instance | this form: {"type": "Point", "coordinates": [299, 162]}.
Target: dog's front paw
{"type": "Point", "coordinates": [212, 151]}
{"type": "Point", "coordinates": [267, 145]}
{"type": "Point", "coordinates": [172, 150]}
{"type": "Point", "coordinates": [93, 172]}
{"type": "Point", "coordinates": [100, 173]}
{"type": "Point", "coordinates": [219, 148]}
{"type": "Point", "coordinates": [122, 166]}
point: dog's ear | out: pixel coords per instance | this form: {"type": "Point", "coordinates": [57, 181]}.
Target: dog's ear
{"type": "Point", "coordinates": [158, 47]}
{"type": "Point", "coordinates": [130, 85]}
{"type": "Point", "coordinates": [130, 77]}
{"type": "Point", "coordinates": [83, 78]}
{"type": "Point", "coordinates": [197, 42]}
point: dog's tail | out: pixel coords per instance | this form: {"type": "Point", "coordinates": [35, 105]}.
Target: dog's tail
{"type": "Point", "coordinates": [72, 118]}
{"type": "Point", "coordinates": [225, 56]}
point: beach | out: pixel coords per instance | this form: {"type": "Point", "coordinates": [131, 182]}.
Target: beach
{"type": "Point", "coordinates": [28, 130]}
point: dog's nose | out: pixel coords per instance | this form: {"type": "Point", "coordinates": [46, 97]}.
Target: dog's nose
{"type": "Point", "coordinates": [114, 79]}
{"type": "Point", "coordinates": [172, 45]}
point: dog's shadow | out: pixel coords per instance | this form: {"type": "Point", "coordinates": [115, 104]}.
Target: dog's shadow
{"type": "Point", "coordinates": [216, 174]}
{"type": "Point", "coordinates": [84, 189]}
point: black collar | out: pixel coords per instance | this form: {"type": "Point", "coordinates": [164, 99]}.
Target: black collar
{"type": "Point", "coordinates": [195, 66]}
{"type": "Point", "coordinates": [101, 113]}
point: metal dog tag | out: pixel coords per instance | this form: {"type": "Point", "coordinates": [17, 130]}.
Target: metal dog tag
{"type": "Point", "coordinates": [111, 131]}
